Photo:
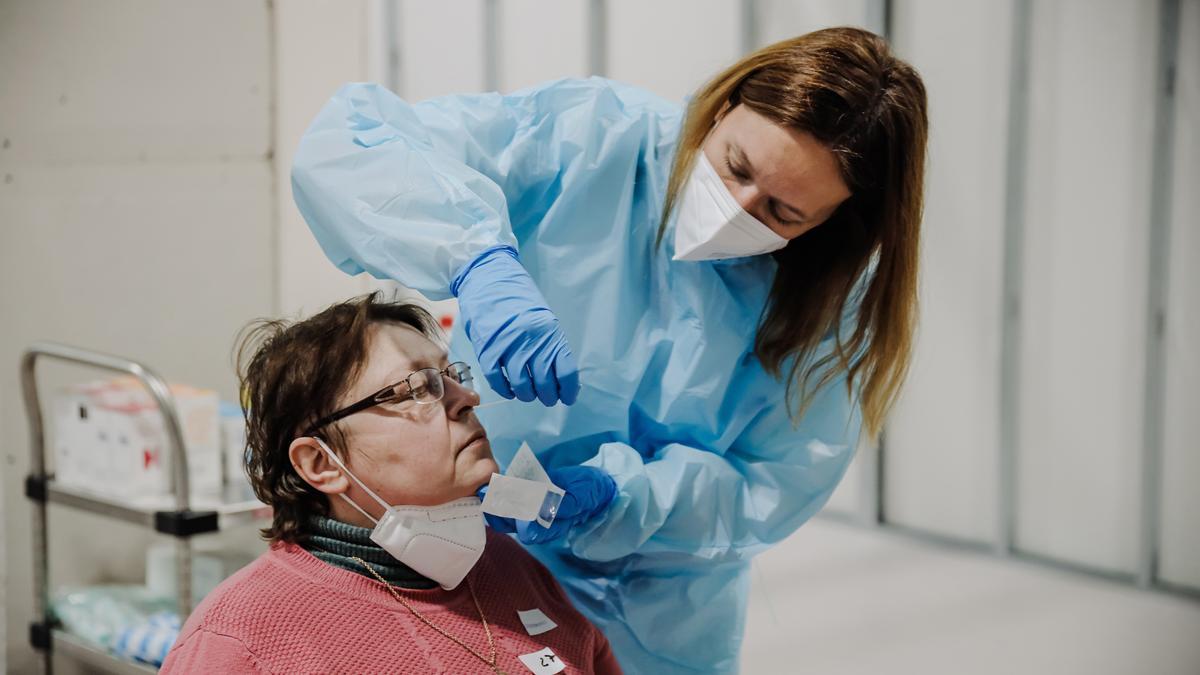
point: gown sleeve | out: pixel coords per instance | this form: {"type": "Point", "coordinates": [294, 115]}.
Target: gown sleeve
{"type": "Point", "coordinates": [415, 191]}
{"type": "Point", "coordinates": [695, 502]}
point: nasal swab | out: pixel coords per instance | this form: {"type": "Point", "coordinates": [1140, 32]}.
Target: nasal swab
{"type": "Point", "coordinates": [488, 405]}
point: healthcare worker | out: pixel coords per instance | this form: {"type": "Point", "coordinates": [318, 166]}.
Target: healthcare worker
{"type": "Point", "coordinates": [721, 296]}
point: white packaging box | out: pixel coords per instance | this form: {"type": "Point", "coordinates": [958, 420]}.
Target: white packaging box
{"type": "Point", "coordinates": [210, 566]}
{"type": "Point", "coordinates": [111, 438]}
{"type": "Point", "coordinates": [233, 452]}
{"type": "Point", "coordinates": [102, 446]}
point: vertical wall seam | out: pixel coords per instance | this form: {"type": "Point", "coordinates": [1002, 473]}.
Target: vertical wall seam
{"type": "Point", "coordinates": [276, 214]}
{"type": "Point", "coordinates": [1015, 161]}
{"type": "Point", "coordinates": [491, 45]}
{"type": "Point", "coordinates": [878, 17]}
{"type": "Point", "coordinates": [749, 37]}
{"type": "Point", "coordinates": [875, 512]}
{"type": "Point", "coordinates": [391, 19]}
{"type": "Point", "coordinates": [597, 38]}
{"type": "Point", "coordinates": [1158, 259]}
{"type": "Point", "coordinates": [875, 507]}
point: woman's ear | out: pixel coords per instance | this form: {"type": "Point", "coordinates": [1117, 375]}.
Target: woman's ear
{"type": "Point", "coordinates": [725, 108]}
{"type": "Point", "coordinates": [314, 466]}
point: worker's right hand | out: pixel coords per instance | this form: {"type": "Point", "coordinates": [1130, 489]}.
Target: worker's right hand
{"type": "Point", "coordinates": [521, 348]}
{"type": "Point", "coordinates": [588, 493]}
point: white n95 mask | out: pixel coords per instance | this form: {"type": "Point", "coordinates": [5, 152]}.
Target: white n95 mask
{"type": "Point", "coordinates": [440, 542]}
{"type": "Point", "coordinates": [711, 225]}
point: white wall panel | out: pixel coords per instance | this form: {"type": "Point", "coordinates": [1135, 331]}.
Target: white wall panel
{"type": "Point", "coordinates": [319, 48]}
{"type": "Point", "coordinates": [541, 40]}
{"type": "Point", "coordinates": [671, 47]}
{"type": "Point", "coordinates": [441, 48]}
{"type": "Point", "coordinates": [941, 449]}
{"type": "Point", "coordinates": [846, 500]}
{"type": "Point", "coordinates": [783, 19]}
{"type": "Point", "coordinates": [856, 495]}
{"type": "Point", "coordinates": [1083, 342]}
{"type": "Point", "coordinates": [141, 97]}
{"type": "Point", "coordinates": [161, 263]}
{"type": "Point", "coordinates": [1180, 546]}
{"type": "Point", "coordinates": [141, 261]}
{"type": "Point", "coordinates": [136, 207]}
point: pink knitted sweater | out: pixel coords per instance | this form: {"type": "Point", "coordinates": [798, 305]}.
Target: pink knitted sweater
{"type": "Point", "coordinates": [288, 612]}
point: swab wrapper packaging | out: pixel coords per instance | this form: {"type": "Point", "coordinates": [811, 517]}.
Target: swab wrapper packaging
{"type": "Point", "coordinates": [524, 491]}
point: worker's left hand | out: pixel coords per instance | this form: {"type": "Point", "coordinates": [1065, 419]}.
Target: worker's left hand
{"type": "Point", "coordinates": [589, 492]}
{"type": "Point", "coordinates": [522, 349]}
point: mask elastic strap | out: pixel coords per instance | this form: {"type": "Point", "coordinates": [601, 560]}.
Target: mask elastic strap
{"type": "Point", "coordinates": [338, 460]}
{"type": "Point", "coordinates": [358, 508]}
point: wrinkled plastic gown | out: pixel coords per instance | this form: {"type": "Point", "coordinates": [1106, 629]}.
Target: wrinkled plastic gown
{"type": "Point", "coordinates": [709, 466]}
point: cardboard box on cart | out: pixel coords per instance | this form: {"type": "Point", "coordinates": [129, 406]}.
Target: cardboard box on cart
{"type": "Point", "coordinates": [110, 437]}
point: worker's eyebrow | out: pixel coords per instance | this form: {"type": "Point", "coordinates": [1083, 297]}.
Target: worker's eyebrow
{"type": "Point", "coordinates": [739, 159]}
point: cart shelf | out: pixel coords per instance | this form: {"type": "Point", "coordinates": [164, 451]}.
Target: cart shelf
{"type": "Point", "coordinates": [178, 514]}
{"type": "Point", "coordinates": [158, 512]}
{"type": "Point", "coordinates": [84, 652]}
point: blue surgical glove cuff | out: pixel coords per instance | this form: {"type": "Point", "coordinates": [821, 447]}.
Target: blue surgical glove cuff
{"type": "Point", "coordinates": [486, 255]}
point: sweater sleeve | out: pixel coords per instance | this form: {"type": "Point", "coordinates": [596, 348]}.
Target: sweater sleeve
{"type": "Point", "coordinates": [207, 652]}
{"type": "Point", "coordinates": [414, 192]}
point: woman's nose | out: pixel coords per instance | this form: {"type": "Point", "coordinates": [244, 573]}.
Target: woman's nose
{"type": "Point", "coordinates": [459, 399]}
{"type": "Point", "coordinates": [748, 196]}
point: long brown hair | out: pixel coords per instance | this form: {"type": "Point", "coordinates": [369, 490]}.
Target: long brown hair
{"type": "Point", "coordinates": [845, 88]}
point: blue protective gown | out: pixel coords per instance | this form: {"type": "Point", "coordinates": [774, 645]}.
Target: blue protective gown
{"type": "Point", "coordinates": [673, 405]}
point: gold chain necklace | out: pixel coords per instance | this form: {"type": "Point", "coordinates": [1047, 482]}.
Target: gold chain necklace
{"type": "Point", "coordinates": [491, 662]}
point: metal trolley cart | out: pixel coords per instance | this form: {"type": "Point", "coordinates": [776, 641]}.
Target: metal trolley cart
{"type": "Point", "coordinates": [173, 515]}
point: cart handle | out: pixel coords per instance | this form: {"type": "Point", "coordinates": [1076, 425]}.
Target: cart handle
{"type": "Point", "coordinates": [153, 383]}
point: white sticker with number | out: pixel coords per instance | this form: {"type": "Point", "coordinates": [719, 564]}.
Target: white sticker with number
{"type": "Point", "coordinates": [543, 662]}
{"type": "Point", "coordinates": [536, 622]}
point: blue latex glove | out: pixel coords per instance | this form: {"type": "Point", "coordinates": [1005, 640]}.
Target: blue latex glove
{"type": "Point", "coordinates": [521, 348]}
{"type": "Point", "coordinates": [589, 493]}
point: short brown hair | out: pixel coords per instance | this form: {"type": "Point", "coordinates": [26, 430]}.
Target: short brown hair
{"type": "Point", "coordinates": [297, 372]}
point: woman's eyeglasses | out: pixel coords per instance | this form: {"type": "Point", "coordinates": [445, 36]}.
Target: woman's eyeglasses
{"type": "Point", "coordinates": [423, 386]}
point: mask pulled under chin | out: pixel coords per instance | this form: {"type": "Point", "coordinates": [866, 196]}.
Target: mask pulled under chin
{"type": "Point", "coordinates": [440, 542]}
{"type": "Point", "coordinates": [711, 225]}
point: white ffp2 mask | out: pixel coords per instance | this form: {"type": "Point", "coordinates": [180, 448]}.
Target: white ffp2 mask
{"type": "Point", "coordinates": [711, 225]}
{"type": "Point", "coordinates": [440, 542]}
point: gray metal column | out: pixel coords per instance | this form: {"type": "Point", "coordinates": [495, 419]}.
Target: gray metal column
{"type": "Point", "coordinates": [749, 39]}
{"type": "Point", "coordinates": [597, 38]}
{"type": "Point", "coordinates": [491, 45]}
{"type": "Point", "coordinates": [391, 38]}
{"type": "Point", "coordinates": [879, 17]}
{"type": "Point", "coordinates": [872, 504]}
{"type": "Point", "coordinates": [1156, 287]}
{"type": "Point", "coordinates": [1014, 254]}
{"type": "Point", "coordinates": [879, 20]}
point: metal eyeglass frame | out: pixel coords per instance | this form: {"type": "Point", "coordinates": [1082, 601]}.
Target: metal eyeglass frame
{"type": "Point", "coordinates": [458, 371]}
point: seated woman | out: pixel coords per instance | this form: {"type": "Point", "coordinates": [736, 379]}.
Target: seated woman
{"type": "Point", "coordinates": [353, 413]}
